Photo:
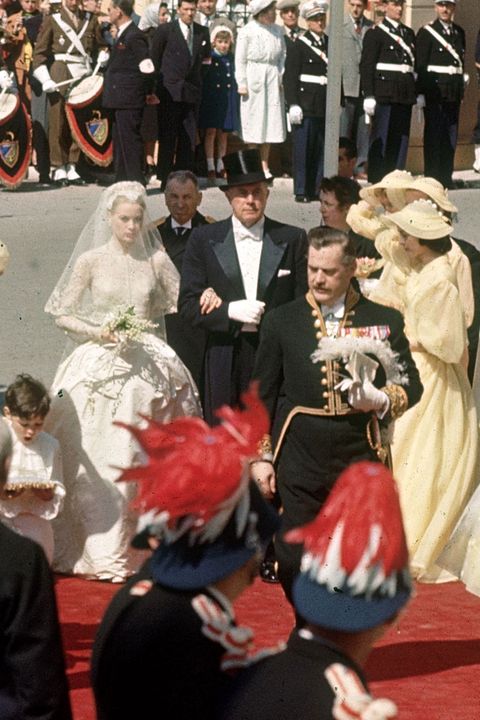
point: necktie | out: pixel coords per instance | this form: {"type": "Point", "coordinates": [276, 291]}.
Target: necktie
{"type": "Point", "coordinates": [189, 39]}
{"type": "Point", "coordinates": [180, 231]}
{"type": "Point", "coordinates": [358, 26]}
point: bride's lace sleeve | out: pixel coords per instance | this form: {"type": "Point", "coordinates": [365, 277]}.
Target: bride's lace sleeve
{"type": "Point", "coordinates": [67, 307]}
{"type": "Point", "coordinates": [168, 284]}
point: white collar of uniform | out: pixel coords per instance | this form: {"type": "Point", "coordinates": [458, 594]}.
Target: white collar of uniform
{"type": "Point", "coordinates": [317, 36]}
{"type": "Point", "coordinates": [255, 232]}
{"type": "Point", "coordinates": [222, 600]}
{"type": "Point", "coordinates": [447, 26]}
{"type": "Point", "coordinates": [184, 27]}
{"type": "Point", "coordinates": [337, 309]}
{"type": "Point", "coordinates": [393, 22]}
{"type": "Point", "coordinates": [123, 27]}
{"type": "Point", "coordinates": [187, 225]}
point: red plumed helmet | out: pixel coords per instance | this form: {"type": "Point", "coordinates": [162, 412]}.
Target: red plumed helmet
{"type": "Point", "coordinates": [196, 475]}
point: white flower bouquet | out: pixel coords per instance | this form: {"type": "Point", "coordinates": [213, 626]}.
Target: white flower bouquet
{"type": "Point", "coordinates": [127, 325]}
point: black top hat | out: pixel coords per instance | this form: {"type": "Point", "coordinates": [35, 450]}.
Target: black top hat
{"type": "Point", "coordinates": [242, 168]}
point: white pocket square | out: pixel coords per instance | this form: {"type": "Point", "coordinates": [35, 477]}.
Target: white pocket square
{"type": "Point", "coordinates": [283, 273]}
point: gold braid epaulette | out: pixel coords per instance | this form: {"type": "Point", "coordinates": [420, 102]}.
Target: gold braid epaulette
{"type": "Point", "coordinates": [398, 400]}
{"type": "Point", "coordinates": [264, 448]}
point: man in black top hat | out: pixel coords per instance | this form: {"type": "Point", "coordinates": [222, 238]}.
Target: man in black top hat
{"type": "Point", "coordinates": [253, 264]}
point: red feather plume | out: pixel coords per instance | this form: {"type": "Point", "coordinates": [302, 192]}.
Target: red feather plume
{"type": "Point", "coordinates": [193, 469]}
{"type": "Point", "coordinates": [365, 495]}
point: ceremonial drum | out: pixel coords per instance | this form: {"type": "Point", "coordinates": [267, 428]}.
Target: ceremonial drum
{"type": "Point", "coordinates": [90, 123]}
{"type": "Point", "coordinates": [15, 140]}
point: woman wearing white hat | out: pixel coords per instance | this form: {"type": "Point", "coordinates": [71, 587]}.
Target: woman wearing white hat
{"type": "Point", "coordinates": [259, 65]}
{"type": "Point", "coordinates": [435, 443]}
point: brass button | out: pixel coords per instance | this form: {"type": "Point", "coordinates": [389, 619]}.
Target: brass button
{"type": "Point", "coordinates": [318, 335]}
{"type": "Point", "coordinates": [325, 394]}
{"type": "Point", "coordinates": [317, 323]}
{"type": "Point", "coordinates": [325, 407]}
{"type": "Point", "coordinates": [324, 381]}
{"type": "Point", "coordinates": [323, 368]}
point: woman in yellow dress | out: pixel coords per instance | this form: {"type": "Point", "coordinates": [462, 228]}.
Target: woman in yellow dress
{"type": "Point", "coordinates": [434, 443]}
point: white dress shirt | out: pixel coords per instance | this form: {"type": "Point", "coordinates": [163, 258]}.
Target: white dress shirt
{"type": "Point", "coordinates": [248, 244]}
{"type": "Point", "coordinates": [333, 314]}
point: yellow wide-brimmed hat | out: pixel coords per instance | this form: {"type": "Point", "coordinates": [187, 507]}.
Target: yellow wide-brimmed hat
{"type": "Point", "coordinates": [420, 219]}
{"type": "Point", "coordinates": [434, 190]}
{"type": "Point", "coordinates": [394, 183]}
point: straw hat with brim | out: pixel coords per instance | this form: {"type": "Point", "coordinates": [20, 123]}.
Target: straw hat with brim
{"type": "Point", "coordinates": [185, 566]}
{"type": "Point", "coordinates": [243, 167]}
{"type": "Point", "coordinates": [420, 219]}
{"type": "Point", "coordinates": [435, 191]}
{"type": "Point", "coordinates": [256, 6]}
{"type": "Point", "coordinates": [394, 183]}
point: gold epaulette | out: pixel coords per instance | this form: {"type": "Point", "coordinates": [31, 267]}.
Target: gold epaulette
{"type": "Point", "coordinates": [398, 400]}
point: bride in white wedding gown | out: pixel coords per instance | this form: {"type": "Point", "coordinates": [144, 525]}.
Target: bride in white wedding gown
{"type": "Point", "coordinates": [118, 266]}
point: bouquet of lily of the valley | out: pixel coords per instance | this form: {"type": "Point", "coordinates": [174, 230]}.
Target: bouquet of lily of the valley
{"type": "Point", "coordinates": [127, 325]}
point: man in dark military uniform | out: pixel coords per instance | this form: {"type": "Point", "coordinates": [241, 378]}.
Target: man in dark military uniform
{"type": "Point", "coordinates": [321, 424]}
{"type": "Point", "coordinates": [129, 81]}
{"type": "Point", "coordinates": [441, 81]}
{"type": "Point", "coordinates": [388, 85]}
{"type": "Point", "coordinates": [182, 198]}
{"type": "Point", "coordinates": [289, 14]}
{"type": "Point", "coordinates": [305, 82]}
{"type": "Point", "coordinates": [64, 48]}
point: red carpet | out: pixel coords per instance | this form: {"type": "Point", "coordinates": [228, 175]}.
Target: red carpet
{"type": "Point", "coordinates": [428, 664]}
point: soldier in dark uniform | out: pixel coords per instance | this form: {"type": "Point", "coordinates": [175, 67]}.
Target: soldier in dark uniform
{"type": "Point", "coordinates": [320, 427]}
{"type": "Point", "coordinates": [347, 596]}
{"type": "Point", "coordinates": [64, 48]}
{"type": "Point", "coordinates": [305, 82]}
{"type": "Point", "coordinates": [289, 14]}
{"type": "Point", "coordinates": [171, 635]}
{"type": "Point", "coordinates": [388, 85]}
{"type": "Point", "coordinates": [440, 67]}
{"type": "Point", "coordinates": [128, 83]}
{"type": "Point", "coordinates": [182, 198]}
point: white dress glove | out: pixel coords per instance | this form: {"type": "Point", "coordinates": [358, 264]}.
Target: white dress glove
{"type": "Point", "coordinates": [49, 86]}
{"type": "Point", "coordinates": [43, 76]}
{"type": "Point", "coordinates": [6, 81]}
{"type": "Point", "coordinates": [369, 105]}
{"type": "Point", "coordinates": [295, 115]}
{"type": "Point", "coordinates": [103, 58]}
{"type": "Point", "coordinates": [368, 398]}
{"type": "Point", "coordinates": [420, 102]}
{"type": "Point", "coordinates": [246, 311]}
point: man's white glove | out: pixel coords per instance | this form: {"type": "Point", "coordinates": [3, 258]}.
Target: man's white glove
{"type": "Point", "coordinates": [246, 311]}
{"type": "Point", "coordinates": [49, 86]}
{"type": "Point", "coordinates": [367, 398]}
{"type": "Point", "coordinates": [103, 58]}
{"type": "Point", "coordinates": [420, 104]}
{"type": "Point", "coordinates": [43, 76]}
{"type": "Point", "coordinates": [295, 115]}
{"type": "Point", "coordinates": [369, 105]}
{"type": "Point", "coordinates": [6, 81]}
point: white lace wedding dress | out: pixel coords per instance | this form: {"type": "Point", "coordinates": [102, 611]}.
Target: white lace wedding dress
{"type": "Point", "coordinates": [100, 384]}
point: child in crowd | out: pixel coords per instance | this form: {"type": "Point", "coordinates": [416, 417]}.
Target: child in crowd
{"type": "Point", "coordinates": [219, 113]}
{"type": "Point", "coordinates": [34, 492]}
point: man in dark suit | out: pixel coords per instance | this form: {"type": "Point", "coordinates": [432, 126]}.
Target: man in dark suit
{"type": "Point", "coordinates": [441, 82]}
{"type": "Point", "coordinates": [33, 683]}
{"type": "Point", "coordinates": [182, 198]}
{"type": "Point", "coordinates": [128, 83]}
{"type": "Point", "coordinates": [321, 420]}
{"type": "Point", "coordinates": [305, 81]}
{"type": "Point", "coordinates": [352, 119]}
{"type": "Point", "coordinates": [388, 85]}
{"type": "Point", "coordinates": [178, 50]}
{"type": "Point", "coordinates": [253, 264]}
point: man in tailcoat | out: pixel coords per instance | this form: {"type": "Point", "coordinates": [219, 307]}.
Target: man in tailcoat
{"type": "Point", "coordinates": [253, 264]}
{"type": "Point", "coordinates": [66, 42]}
{"type": "Point", "coordinates": [441, 81]}
{"type": "Point", "coordinates": [388, 86]}
{"type": "Point", "coordinates": [178, 51]}
{"type": "Point", "coordinates": [33, 682]}
{"type": "Point", "coordinates": [320, 425]}
{"type": "Point", "coordinates": [352, 119]}
{"type": "Point", "coordinates": [305, 82]}
{"type": "Point", "coordinates": [182, 198]}
{"type": "Point", "coordinates": [128, 82]}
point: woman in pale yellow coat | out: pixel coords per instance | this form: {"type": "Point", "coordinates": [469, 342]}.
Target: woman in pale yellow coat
{"type": "Point", "coordinates": [435, 442]}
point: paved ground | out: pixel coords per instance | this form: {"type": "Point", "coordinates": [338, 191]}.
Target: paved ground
{"type": "Point", "coordinates": [41, 227]}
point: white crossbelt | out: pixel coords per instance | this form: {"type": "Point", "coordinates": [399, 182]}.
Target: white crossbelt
{"type": "Point", "coordinates": [393, 67]}
{"type": "Point", "coordinates": [66, 57]}
{"type": "Point", "coordinates": [445, 69]}
{"type": "Point", "coordinates": [317, 79]}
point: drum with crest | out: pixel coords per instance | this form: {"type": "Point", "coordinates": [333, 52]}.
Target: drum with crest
{"type": "Point", "coordinates": [15, 140]}
{"type": "Point", "coordinates": [90, 123]}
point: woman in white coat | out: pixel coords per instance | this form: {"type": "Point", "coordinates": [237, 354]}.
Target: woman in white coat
{"type": "Point", "coordinates": [259, 62]}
